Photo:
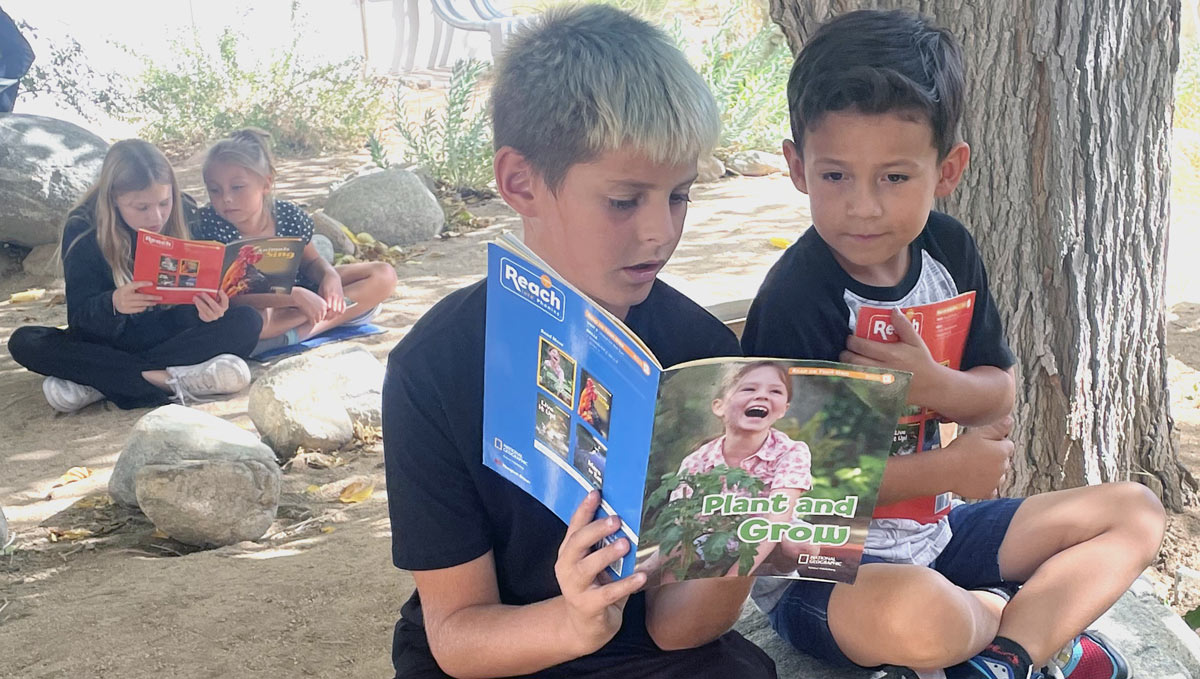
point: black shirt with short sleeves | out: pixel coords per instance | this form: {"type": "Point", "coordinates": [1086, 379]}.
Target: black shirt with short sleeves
{"type": "Point", "coordinates": [808, 304]}
{"type": "Point", "coordinates": [447, 508]}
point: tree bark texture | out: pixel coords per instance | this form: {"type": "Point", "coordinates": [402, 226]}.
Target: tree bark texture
{"type": "Point", "coordinates": [1068, 113]}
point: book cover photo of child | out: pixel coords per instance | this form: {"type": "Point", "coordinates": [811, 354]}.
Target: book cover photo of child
{"type": "Point", "coordinates": [755, 430]}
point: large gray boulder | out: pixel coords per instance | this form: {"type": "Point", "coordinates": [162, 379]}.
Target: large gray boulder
{"type": "Point", "coordinates": [394, 206]}
{"type": "Point", "coordinates": [46, 165]}
{"type": "Point", "coordinates": [173, 434]}
{"type": "Point", "coordinates": [314, 399]}
{"type": "Point", "coordinates": [210, 503]}
{"type": "Point", "coordinates": [1153, 638]}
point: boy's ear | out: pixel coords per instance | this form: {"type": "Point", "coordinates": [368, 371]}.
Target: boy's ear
{"type": "Point", "coordinates": [795, 162]}
{"type": "Point", "coordinates": [951, 169]}
{"type": "Point", "coordinates": [516, 181]}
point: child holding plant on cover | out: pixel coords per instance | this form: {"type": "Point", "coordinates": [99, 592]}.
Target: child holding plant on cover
{"type": "Point", "coordinates": [750, 399]}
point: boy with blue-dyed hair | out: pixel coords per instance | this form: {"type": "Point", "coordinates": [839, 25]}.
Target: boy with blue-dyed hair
{"type": "Point", "coordinates": [875, 100]}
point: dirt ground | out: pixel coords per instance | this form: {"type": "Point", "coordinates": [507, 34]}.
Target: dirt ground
{"type": "Point", "coordinates": [318, 596]}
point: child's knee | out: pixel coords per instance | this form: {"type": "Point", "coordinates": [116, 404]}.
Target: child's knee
{"type": "Point", "coordinates": [1141, 512]}
{"type": "Point", "coordinates": [930, 620]}
{"type": "Point", "coordinates": [384, 273]}
{"type": "Point", "coordinates": [245, 318]}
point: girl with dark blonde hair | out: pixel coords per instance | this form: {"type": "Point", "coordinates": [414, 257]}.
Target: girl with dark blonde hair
{"type": "Point", "coordinates": [120, 343]}
{"type": "Point", "coordinates": [239, 173]}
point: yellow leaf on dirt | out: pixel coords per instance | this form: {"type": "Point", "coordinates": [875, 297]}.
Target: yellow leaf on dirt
{"type": "Point", "coordinates": [93, 502]}
{"type": "Point", "coordinates": [72, 475]}
{"type": "Point", "coordinates": [327, 529]}
{"type": "Point", "coordinates": [312, 488]}
{"type": "Point", "coordinates": [57, 535]}
{"type": "Point", "coordinates": [356, 492]}
{"type": "Point", "coordinates": [30, 295]}
{"type": "Point", "coordinates": [780, 242]}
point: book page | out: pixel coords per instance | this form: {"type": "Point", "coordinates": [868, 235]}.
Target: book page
{"type": "Point", "coordinates": [177, 269]}
{"type": "Point", "coordinates": [568, 398]}
{"type": "Point", "coordinates": [765, 467]}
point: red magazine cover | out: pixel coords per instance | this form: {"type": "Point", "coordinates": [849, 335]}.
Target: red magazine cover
{"type": "Point", "coordinates": [944, 327]}
{"type": "Point", "coordinates": [179, 269]}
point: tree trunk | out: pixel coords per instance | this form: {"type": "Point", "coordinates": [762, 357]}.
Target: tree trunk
{"type": "Point", "coordinates": [1068, 113]}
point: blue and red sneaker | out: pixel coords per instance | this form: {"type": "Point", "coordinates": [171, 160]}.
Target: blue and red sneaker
{"type": "Point", "coordinates": [1088, 656]}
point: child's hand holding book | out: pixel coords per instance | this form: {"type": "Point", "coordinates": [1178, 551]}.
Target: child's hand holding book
{"type": "Point", "coordinates": [594, 608]}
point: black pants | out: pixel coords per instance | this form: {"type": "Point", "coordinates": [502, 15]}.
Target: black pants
{"type": "Point", "coordinates": [117, 371]}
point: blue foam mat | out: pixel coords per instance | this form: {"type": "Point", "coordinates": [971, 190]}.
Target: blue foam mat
{"type": "Point", "coordinates": [343, 332]}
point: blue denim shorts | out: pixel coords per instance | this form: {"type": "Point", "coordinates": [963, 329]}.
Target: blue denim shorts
{"type": "Point", "coordinates": [970, 560]}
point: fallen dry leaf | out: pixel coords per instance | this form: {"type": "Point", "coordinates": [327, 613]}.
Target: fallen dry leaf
{"type": "Point", "coordinates": [314, 460]}
{"type": "Point", "coordinates": [58, 298]}
{"type": "Point", "coordinates": [97, 501]}
{"type": "Point", "coordinates": [312, 488]}
{"type": "Point", "coordinates": [72, 475]}
{"type": "Point", "coordinates": [159, 534]}
{"type": "Point", "coordinates": [356, 492]}
{"type": "Point", "coordinates": [327, 529]}
{"type": "Point", "coordinates": [57, 535]}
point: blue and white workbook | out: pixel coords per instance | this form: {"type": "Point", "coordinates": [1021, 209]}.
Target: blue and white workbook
{"type": "Point", "coordinates": [726, 466]}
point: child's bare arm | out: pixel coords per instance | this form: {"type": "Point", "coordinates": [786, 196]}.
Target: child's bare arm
{"type": "Point", "coordinates": [466, 623]}
{"type": "Point", "coordinates": [973, 465]}
{"type": "Point", "coordinates": [977, 396]}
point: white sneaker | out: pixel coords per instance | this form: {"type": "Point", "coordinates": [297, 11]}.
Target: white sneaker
{"type": "Point", "coordinates": [224, 374]}
{"type": "Point", "coordinates": [66, 396]}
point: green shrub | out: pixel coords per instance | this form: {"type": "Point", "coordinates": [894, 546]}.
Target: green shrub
{"type": "Point", "coordinates": [206, 93]}
{"type": "Point", "coordinates": [62, 72]}
{"type": "Point", "coordinates": [454, 144]}
{"type": "Point", "coordinates": [748, 78]}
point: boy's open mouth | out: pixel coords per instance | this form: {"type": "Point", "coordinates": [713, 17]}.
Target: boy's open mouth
{"type": "Point", "coordinates": [756, 411]}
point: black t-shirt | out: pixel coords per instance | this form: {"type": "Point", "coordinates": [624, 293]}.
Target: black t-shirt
{"type": "Point", "coordinates": [90, 286]}
{"type": "Point", "coordinates": [447, 508]}
{"type": "Point", "coordinates": [808, 304]}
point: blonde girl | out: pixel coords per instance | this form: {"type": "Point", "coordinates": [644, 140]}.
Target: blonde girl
{"type": "Point", "coordinates": [120, 343]}
{"type": "Point", "coordinates": [239, 173]}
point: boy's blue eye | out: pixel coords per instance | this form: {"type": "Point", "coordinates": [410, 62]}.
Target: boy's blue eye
{"type": "Point", "coordinates": [897, 178]}
{"type": "Point", "coordinates": [832, 176]}
{"type": "Point", "coordinates": [680, 198]}
{"type": "Point", "coordinates": [620, 204]}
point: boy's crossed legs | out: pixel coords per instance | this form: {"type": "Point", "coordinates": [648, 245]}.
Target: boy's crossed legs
{"type": "Point", "coordinates": [1075, 551]}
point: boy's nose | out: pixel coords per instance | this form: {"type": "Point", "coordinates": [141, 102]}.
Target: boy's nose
{"type": "Point", "coordinates": [657, 225]}
{"type": "Point", "coordinates": [864, 203]}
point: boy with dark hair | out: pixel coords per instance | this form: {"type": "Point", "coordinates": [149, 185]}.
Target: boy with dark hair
{"type": "Point", "coordinates": [875, 100]}
{"type": "Point", "coordinates": [598, 122]}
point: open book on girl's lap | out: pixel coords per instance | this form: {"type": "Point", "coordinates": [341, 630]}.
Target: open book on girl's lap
{"type": "Point", "coordinates": [725, 466]}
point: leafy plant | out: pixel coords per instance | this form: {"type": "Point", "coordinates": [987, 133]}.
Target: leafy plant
{"type": "Point", "coordinates": [748, 78]}
{"type": "Point", "coordinates": [64, 73]}
{"type": "Point", "coordinates": [696, 545]}
{"type": "Point", "coordinates": [207, 92]}
{"type": "Point", "coordinates": [378, 153]}
{"type": "Point", "coordinates": [454, 144]}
